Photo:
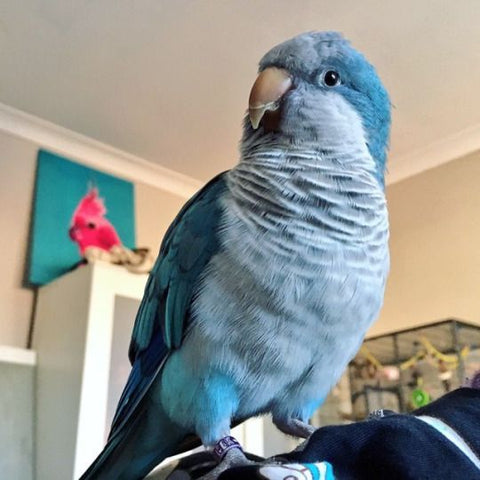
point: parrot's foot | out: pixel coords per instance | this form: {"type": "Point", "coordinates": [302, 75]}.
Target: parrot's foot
{"type": "Point", "coordinates": [294, 427]}
{"type": "Point", "coordinates": [229, 454]}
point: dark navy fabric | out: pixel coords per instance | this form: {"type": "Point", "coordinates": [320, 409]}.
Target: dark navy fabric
{"type": "Point", "coordinates": [388, 446]}
{"type": "Point", "coordinates": [395, 447]}
{"type": "Point", "coordinates": [460, 410]}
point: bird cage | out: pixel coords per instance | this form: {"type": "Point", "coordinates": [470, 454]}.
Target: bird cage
{"type": "Point", "coordinates": [407, 369]}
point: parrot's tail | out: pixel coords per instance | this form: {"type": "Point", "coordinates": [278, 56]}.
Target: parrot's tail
{"type": "Point", "coordinates": [136, 448]}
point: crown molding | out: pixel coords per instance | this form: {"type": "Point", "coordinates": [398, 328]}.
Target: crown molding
{"type": "Point", "coordinates": [94, 153]}
{"type": "Point", "coordinates": [450, 148]}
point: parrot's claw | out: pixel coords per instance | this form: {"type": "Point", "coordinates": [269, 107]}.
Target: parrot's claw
{"type": "Point", "coordinates": [233, 458]}
{"type": "Point", "coordinates": [295, 427]}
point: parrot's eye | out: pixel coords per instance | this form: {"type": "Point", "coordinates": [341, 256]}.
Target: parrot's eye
{"type": "Point", "coordinates": [331, 78]}
{"type": "Point", "coordinates": [91, 225]}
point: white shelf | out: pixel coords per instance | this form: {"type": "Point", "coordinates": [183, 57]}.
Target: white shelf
{"type": "Point", "coordinates": [17, 355]}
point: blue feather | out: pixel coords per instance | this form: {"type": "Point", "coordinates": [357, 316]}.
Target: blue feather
{"type": "Point", "coordinates": [189, 243]}
{"type": "Point", "coordinates": [270, 276]}
{"type": "Point", "coordinates": [163, 311]}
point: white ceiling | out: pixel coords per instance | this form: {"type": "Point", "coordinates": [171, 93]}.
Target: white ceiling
{"type": "Point", "coordinates": [168, 80]}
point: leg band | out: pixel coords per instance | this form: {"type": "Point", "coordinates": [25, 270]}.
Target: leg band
{"type": "Point", "coordinates": [223, 446]}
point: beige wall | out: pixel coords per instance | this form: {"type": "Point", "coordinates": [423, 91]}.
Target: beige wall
{"type": "Point", "coordinates": [435, 247]}
{"type": "Point", "coordinates": [154, 210]}
{"type": "Point", "coordinates": [17, 173]}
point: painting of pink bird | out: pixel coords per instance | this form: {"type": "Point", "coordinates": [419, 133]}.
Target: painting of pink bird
{"type": "Point", "coordinates": [97, 238]}
{"type": "Point", "coordinates": [80, 215]}
{"type": "Point", "coordinates": [89, 227]}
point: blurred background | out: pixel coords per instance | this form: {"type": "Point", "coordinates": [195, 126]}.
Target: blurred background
{"type": "Point", "coordinates": [153, 92]}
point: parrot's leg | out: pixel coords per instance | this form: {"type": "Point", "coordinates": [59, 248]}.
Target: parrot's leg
{"type": "Point", "coordinates": [229, 454]}
{"type": "Point", "coordinates": [294, 421]}
{"type": "Point", "coordinates": [213, 409]}
{"type": "Point", "coordinates": [294, 427]}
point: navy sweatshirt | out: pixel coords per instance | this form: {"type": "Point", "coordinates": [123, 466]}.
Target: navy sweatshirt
{"type": "Point", "coordinates": [390, 447]}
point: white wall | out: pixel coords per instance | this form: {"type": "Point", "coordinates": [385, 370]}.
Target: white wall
{"type": "Point", "coordinates": [17, 385]}
{"type": "Point", "coordinates": [17, 173]}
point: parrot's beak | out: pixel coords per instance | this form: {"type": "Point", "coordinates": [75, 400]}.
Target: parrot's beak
{"type": "Point", "coordinates": [267, 91]}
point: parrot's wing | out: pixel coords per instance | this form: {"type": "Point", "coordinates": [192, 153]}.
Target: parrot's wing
{"type": "Point", "coordinates": [188, 245]}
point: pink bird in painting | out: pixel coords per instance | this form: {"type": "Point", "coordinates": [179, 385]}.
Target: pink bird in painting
{"type": "Point", "coordinates": [89, 226]}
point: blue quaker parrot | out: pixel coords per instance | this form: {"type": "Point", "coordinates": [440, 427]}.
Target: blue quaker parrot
{"type": "Point", "coordinates": [269, 277]}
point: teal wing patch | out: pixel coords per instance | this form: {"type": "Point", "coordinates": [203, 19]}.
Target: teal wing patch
{"type": "Point", "coordinates": [188, 245]}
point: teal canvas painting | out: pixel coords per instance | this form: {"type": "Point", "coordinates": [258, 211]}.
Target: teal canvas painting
{"type": "Point", "coordinates": [62, 189]}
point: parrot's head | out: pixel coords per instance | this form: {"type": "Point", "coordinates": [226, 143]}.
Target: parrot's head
{"type": "Point", "coordinates": [89, 227]}
{"type": "Point", "coordinates": [316, 91]}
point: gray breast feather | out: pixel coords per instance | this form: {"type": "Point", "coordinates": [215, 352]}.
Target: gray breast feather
{"type": "Point", "coordinates": [281, 300]}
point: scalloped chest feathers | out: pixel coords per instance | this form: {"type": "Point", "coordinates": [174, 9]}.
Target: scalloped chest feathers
{"type": "Point", "coordinates": [300, 274]}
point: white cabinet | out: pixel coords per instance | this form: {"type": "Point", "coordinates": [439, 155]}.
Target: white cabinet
{"type": "Point", "coordinates": [75, 323]}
